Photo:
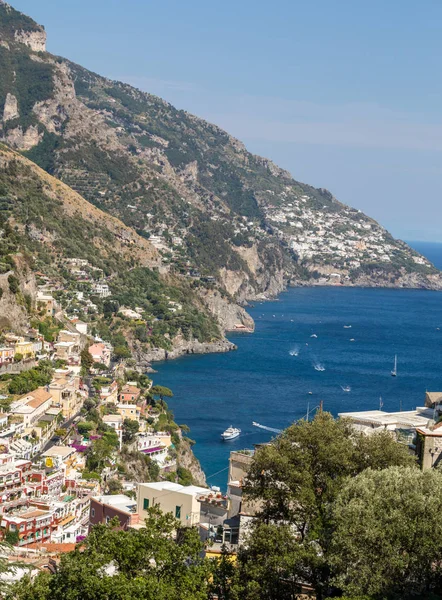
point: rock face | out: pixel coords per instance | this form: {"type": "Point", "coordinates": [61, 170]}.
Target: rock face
{"type": "Point", "coordinates": [230, 316]}
{"type": "Point", "coordinates": [13, 316]}
{"type": "Point", "coordinates": [241, 227]}
{"type": "Point", "coordinates": [180, 347]}
{"type": "Point", "coordinates": [35, 40]}
{"type": "Point", "coordinates": [24, 140]}
{"type": "Point", "coordinates": [188, 460]}
{"type": "Point", "coordinates": [10, 110]}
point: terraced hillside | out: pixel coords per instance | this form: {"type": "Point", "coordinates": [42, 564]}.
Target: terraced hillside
{"type": "Point", "coordinates": [213, 210]}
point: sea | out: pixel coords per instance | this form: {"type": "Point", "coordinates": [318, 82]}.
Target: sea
{"type": "Point", "coordinates": [311, 345]}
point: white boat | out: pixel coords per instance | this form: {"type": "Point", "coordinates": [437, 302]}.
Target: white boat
{"type": "Point", "coordinates": [345, 388]}
{"type": "Point", "coordinates": [394, 371]}
{"type": "Point", "coordinates": [319, 368]}
{"type": "Point", "coordinates": [231, 433]}
{"type": "Point", "coordinates": [314, 335]}
{"type": "Point", "coordinates": [347, 326]}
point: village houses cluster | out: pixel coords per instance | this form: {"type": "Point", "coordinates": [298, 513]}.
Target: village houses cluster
{"type": "Point", "coordinates": [48, 501]}
{"type": "Point", "coordinates": [342, 239]}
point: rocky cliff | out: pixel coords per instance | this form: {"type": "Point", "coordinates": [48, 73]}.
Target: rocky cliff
{"type": "Point", "coordinates": [210, 206]}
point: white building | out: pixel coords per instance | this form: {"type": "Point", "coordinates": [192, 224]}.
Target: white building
{"type": "Point", "coordinates": [181, 501]}
{"type": "Point", "coordinates": [101, 289]}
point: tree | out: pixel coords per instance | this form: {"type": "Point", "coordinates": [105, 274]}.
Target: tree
{"type": "Point", "coordinates": [146, 563]}
{"type": "Point", "coordinates": [99, 454]}
{"type": "Point", "coordinates": [296, 479]}
{"type": "Point", "coordinates": [18, 357]}
{"type": "Point", "coordinates": [114, 486]}
{"type": "Point", "coordinates": [161, 391]}
{"type": "Point", "coordinates": [86, 359]}
{"type": "Point", "coordinates": [85, 427]}
{"type": "Point", "coordinates": [223, 576]}
{"type": "Point", "coordinates": [100, 366]}
{"type": "Point", "coordinates": [122, 352]}
{"type": "Point", "coordinates": [388, 534]}
{"type": "Point", "coordinates": [130, 428]}
{"type": "Point", "coordinates": [14, 284]}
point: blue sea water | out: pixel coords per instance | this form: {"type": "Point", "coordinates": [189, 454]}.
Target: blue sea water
{"type": "Point", "coordinates": [264, 381]}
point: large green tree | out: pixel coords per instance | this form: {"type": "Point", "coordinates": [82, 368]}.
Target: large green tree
{"type": "Point", "coordinates": [161, 391]}
{"type": "Point", "coordinates": [388, 534]}
{"type": "Point", "coordinates": [145, 564]}
{"type": "Point", "coordinates": [130, 429]}
{"type": "Point", "coordinates": [295, 481]}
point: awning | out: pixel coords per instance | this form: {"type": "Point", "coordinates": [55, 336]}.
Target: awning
{"type": "Point", "coordinates": [154, 449]}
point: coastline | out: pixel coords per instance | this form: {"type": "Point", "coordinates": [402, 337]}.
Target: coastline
{"type": "Point", "coordinates": [145, 358]}
{"type": "Point", "coordinates": [183, 347]}
{"type": "Point", "coordinates": [264, 382]}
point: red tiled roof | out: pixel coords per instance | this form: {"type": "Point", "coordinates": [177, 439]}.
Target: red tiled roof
{"type": "Point", "coordinates": [51, 547]}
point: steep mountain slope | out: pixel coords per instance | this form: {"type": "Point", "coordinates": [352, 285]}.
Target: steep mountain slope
{"type": "Point", "coordinates": [46, 228]}
{"type": "Point", "coordinates": [210, 207]}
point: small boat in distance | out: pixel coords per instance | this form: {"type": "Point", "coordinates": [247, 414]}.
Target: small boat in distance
{"type": "Point", "coordinates": [345, 388]}
{"type": "Point", "coordinates": [314, 335]}
{"type": "Point", "coordinates": [231, 433]}
{"type": "Point", "coordinates": [394, 371]}
{"type": "Point", "coordinates": [347, 326]}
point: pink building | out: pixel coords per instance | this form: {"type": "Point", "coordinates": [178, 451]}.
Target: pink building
{"type": "Point", "coordinates": [100, 353]}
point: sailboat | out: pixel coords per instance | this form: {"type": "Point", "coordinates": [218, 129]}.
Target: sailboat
{"type": "Point", "coordinates": [394, 371]}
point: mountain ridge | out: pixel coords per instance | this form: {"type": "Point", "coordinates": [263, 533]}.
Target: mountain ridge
{"type": "Point", "coordinates": [206, 203]}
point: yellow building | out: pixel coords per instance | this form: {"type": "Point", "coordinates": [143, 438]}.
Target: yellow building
{"type": "Point", "coordinates": [129, 411]}
{"type": "Point", "coordinates": [64, 388]}
{"type": "Point", "coordinates": [25, 348]}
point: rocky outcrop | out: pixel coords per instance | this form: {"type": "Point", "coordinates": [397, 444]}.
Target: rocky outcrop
{"type": "Point", "coordinates": [230, 316]}
{"type": "Point", "coordinates": [187, 460]}
{"type": "Point", "coordinates": [180, 347]}
{"type": "Point", "coordinates": [10, 110]}
{"type": "Point", "coordinates": [35, 40]}
{"type": "Point", "coordinates": [13, 313]}
{"type": "Point", "coordinates": [24, 140]}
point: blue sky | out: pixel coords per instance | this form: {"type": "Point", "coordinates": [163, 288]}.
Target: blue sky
{"type": "Point", "coordinates": [346, 95]}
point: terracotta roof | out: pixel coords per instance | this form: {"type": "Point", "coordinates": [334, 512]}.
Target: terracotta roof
{"type": "Point", "coordinates": [57, 548]}
{"type": "Point", "coordinates": [39, 396]}
{"type": "Point", "coordinates": [130, 389]}
{"type": "Point", "coordinates": [96, 348]}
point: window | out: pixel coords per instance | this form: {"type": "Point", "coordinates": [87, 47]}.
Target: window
{"type": "Point", "coordinates": [92, 512]}
{"type": "Point", "coordinates": [145, 503]}
{"type": "Point", "coordinates": [107, 520]}
{"type": "Point", "coordinates": [178, 512]}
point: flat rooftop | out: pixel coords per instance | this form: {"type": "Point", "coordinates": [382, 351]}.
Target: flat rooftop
{"type": "Point", "coordinates": [62, 451]}
{"type": "Point", "coordinates": [118, 501]}
{"type": "Point", "coordinates": [168, 486]}
{"type": "Point", "coordinates": [408, 418]}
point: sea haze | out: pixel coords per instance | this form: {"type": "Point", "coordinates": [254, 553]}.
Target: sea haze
{"type": "Point", "coordinates": [269, 377]}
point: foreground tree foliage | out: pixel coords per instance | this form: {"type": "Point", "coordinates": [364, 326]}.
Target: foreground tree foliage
{"type": "Point", "coordinates": [147, 564]}
{"type": "Point", "coordinates": [352, 517]}
{"type": "Point", "coordinates": [296, 480]}
{"type": "Point", "coordinates": [388, 534]}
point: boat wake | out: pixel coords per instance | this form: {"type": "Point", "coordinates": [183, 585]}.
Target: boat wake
{"type": "Point", "coordinates": [347, 326]}
{"type": "Point", "coordinates": [295, 350]}
{"type": "Point", "coordinates": [319, 367]}
{"type": "Point", "coordinates": [272, 429]}
{"type": "Point", "coordinates": [345, 388]}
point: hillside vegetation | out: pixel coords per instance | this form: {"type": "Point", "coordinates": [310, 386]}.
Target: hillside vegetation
{"type": "Point", "coordinates": [210, 205]}
{"type": "Point", "coordinates": [44, 224]}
